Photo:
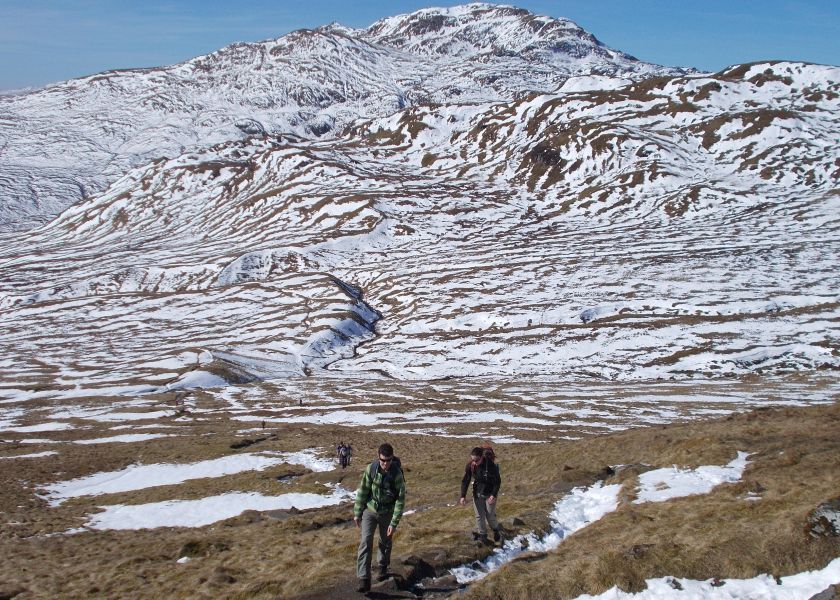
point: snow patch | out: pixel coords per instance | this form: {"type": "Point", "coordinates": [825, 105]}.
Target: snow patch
{"type": "Point", "coordinates": [664, 484]}
{"type": "Point", "coordinates": [196, 513]}
{"type": "Point", "coordinates": [137, 477]}
{"type": "Point", "coordinates": [34, 455]}
{"type": "Point", "coordinates": [792, 587]}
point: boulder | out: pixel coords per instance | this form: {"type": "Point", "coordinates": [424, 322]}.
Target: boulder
{"type": "Point", "coordinates": [250, 127]}
{"type": "Point", "coordinates": [825, 519]}
{"type": "Point", "coordinates": [832, 592]}
{"type": "Point", "coordinates": [7, 593]}
{"type": "Point", "coordinates": [440, 585]}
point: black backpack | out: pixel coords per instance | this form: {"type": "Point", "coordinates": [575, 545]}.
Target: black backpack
{"type": "Point", "coordinates": [394, 469]}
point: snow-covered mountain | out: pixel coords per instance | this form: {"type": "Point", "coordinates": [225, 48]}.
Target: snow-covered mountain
{"type": "Point", "coordinates": [69, 141]}
{"type": "Point", "coordinates": [673, 227]}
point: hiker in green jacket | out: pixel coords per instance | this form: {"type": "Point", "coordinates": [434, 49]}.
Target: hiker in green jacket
{"type": "Point", "coordinates": [379, 504]}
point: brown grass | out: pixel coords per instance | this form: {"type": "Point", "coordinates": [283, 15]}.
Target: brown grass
{"type": "Point", "coordinates": [794, 462]}
{"type": "Point", "coordinates": [287, 554]}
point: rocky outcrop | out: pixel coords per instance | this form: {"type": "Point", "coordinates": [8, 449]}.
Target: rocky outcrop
{"type": "Point", "coordinates": [825, 519]}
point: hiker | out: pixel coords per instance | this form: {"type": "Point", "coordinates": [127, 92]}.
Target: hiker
{"type": "Point", "coordinates": [344, 455]}
{"type": "Point", "coordinates": [379, 504]}
{"type": "Point", "coordinates": [344, 452]}
{"type": "Point", "coordinates": [483, 469]}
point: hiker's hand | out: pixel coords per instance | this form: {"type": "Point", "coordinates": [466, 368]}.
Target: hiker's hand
{"type": "Point", "coordinates": [358, 521]}
{"type": "Point", "coordinates": [390, 530]}
{"type": "Point", "coordinates": [462, 501]}
{"type": "Point", "coordinates": [491, 500]}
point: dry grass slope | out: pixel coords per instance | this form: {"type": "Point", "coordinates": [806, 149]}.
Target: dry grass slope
{"type": "Point", "coordinates": [795, 458]}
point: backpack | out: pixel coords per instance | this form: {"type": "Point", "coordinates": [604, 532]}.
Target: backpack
{"type": "Point", "coordinates": [488, 454]}
{"type": "Point", "coordinates": [394, 469]}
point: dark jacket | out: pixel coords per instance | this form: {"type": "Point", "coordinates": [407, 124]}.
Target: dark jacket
{"type": "Point", "coordinates": [488, 480]}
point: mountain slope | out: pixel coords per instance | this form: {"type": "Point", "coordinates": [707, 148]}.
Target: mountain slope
{"type": "Point", "coordinates": [70, 140]}
{"type": "Point", "coordinates": [670, 228]}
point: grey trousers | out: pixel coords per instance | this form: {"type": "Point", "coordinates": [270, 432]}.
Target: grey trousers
{"type": "Point", "coordinates": [370, 522]}
{"type": "Point", "coordinates": [484, 513]}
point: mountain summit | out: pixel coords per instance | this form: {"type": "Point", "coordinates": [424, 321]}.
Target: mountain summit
{"type": "Point", "coordinates": [70, 140]}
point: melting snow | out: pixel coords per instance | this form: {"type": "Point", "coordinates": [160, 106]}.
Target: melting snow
{"type": "Point", "coordinates": [196, 513]}
{"type": "Point", "coordinates": [137, 477]}
{"type": "Point", "coordinates": [129, 437]}
{"type": "Point", "coordinates": [763, 587]}
{"type": "Point", "coordinates": [34, 455]}
{"type": "Point", "coordinates": [50, 426]}
{"type": "Point", "coordinates": [574, 511]}
{"type": "Point", "coordinates": [584, 506]}
{"type": "Point", "coordinates": [664, 484]}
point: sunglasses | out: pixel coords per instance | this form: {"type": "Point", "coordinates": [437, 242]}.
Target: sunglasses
{"type": "Point", "coordinates": [386, 460]}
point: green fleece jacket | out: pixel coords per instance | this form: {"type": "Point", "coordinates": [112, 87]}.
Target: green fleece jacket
{"type": "Point", "coordinates": [382, 494]}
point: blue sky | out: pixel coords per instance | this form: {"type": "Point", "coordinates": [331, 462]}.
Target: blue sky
{"type": "Point", "coordinates": [43, 41]}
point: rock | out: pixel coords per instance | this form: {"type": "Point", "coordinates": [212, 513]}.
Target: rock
{"type": "Point", "coordinates": [447, 583]}
{"type": "Point", "coordinates": [7, 593]}
{"type": "Point", "coordinates": [387, 586]}
{"type": "Point", "coordinates": [825, 519]}
{"type": "Point", "coordinates": [639, 550]}
{"type": "Point", "coordinates": [220, 575]}
{"type": "Point", "coordinates": [248, 517]}
{"type": "Point", "coordinates": [393, 587]}
{"type": "Point", "coordinates": [675, 584]}
{"type": "Point", "coordinates": [420, 569]}
{"type": "Point", "coordinates": [244, 443]}
{"type": "Point", "coordinates": [832, 592]}
{"type": "Point", "coordinates": [250, 127]}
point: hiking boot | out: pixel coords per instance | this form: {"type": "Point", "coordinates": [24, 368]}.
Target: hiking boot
{"type": "Point", "coordinates": [497, 535]}
{"type": "Point", "coordinates": [383, 574]}
{"type": "Point", "coordinates": [364, 586]}
{"type": "Point", "coordinates": [476, 536]}
{"type": "Point", "coordinates": [484, 540]}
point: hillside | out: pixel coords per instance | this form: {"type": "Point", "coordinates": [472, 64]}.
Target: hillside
{"type": "Point", "coordinates": [70, 140]}
{"type": "Point", "coordinates": [458, 226]}
{"type": "Point", "coordinates": [674, 228]}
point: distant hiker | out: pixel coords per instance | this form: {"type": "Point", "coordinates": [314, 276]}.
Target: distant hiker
{"type": "Point", "coordinates": [483, 469]}
{"type": "Point", "coordinates": [379, 504]}
{"type": "Point", "coordinates": [345, 451]}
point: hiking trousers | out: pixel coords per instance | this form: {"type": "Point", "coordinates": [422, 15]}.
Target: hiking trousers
{"type": "Point", "coordinates": [372, 521]}
{"type": "Point", "coordinates": [485, 513]}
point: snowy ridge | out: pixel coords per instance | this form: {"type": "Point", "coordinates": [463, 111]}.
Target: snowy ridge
{"type": "Point", "coordinates": [675, 227]}
{"type": "Point", "coordinates": [68, 141]}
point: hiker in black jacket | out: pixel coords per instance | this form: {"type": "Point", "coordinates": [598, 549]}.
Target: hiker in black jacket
{"type": "Point", "coordinates": [487, 480]}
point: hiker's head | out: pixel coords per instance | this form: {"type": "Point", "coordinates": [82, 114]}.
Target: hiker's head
{"type": "Point", "coordinates": [476, 454]}
{"type": "Point", "coordinates": [386, 454]}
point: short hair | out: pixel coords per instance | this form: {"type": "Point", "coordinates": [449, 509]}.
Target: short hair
{"type": "Point", "coordinates": [477, 451]}
{"type": "Point", "coordinates": [386, 450]}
